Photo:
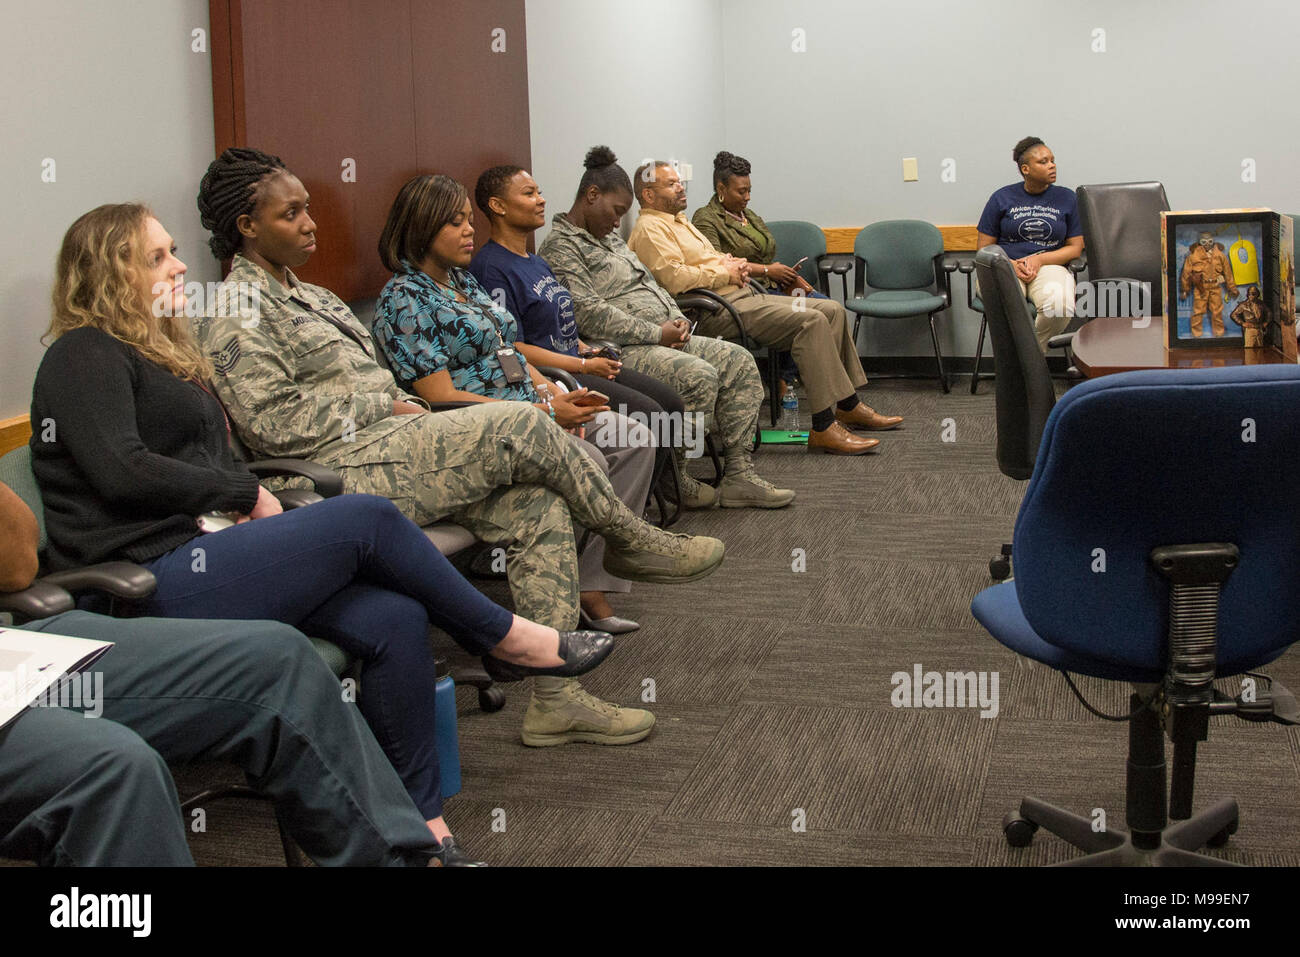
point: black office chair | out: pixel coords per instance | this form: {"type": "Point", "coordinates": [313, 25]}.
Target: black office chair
{"type": "Point", "coordinates": [1024, 393]}
{"type": "Point", "coordinates": [1121, 234]}
{"type": "Point", "coordinates": [707, 301]}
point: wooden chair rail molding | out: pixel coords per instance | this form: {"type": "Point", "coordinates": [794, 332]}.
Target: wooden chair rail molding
{"type": "Point", "coordinates": [956, 239]}
{"type": "Point", "coordinates": [14, 432]}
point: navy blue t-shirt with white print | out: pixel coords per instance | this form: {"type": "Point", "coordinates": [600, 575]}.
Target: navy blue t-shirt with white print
{"type": "Point", "coordinates": [532, 294]}
{"type": "Point", "coordinates": [1025, 223]}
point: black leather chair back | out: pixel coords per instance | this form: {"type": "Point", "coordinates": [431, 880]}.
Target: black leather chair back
{"type": "Point", "coordinates": [1121, 233]}
{"type": "Point", "coordinates": [1024, 394]}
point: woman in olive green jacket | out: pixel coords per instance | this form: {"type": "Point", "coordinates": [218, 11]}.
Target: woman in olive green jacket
{"type": "Point", "coordinates": [731, 227]}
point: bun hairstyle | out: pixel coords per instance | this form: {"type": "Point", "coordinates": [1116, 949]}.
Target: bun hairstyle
{"type": "Point", "coordinates": [603, 172]}
{"type": "Point", "coordinates": [599, 156]}
{"type": "Point", "coordinates": [1024, 146]}
{"type": "Point", "coordinates": [727, 165]}
{"type": "Point", "coordinates": [232, 188]}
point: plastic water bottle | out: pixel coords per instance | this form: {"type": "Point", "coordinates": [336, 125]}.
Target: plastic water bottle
{"type": "Point", "coordinates": [789, 421]}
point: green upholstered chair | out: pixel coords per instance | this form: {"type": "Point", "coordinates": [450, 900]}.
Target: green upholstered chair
{"type": "Point", "coordinates": [902, 261]}
{"type": "Point", "coordinates": [795, 240]}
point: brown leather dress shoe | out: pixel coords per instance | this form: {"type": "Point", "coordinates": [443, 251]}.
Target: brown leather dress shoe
{"type": "Point", "coordinates": [863, 416]}
{"type": "Point", "coordinates": [838, 440]}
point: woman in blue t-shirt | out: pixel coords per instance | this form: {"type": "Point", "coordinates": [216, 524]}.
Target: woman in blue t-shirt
{"type": "Point", "coordinates": [548, 330]}
{"type": "Point", "coordinates": [1037, 223]}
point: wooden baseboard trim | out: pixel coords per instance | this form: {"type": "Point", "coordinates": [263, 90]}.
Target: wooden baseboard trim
{"type": "Point", "coordinates": [14, 432]}
{"type": "Point", "coordinates": [956, 239]}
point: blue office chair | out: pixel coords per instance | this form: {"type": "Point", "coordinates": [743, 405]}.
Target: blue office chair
{"type": "Point", "coordinates": [1159, 544]}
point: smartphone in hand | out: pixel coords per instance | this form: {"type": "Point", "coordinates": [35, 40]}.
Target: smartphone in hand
{"type": "Point", "coordinates": [592, 398]}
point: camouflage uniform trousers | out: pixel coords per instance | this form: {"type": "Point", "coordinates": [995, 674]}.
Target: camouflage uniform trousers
{"type": "Point", "coordinates": [715, 378]}
{"type": "Point", "coordinates": [506, 473]}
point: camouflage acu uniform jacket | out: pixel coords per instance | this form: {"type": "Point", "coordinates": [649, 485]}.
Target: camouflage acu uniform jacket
{"type": "Point", "coordinates": [297, 373]}
{"type": "Point", "coordinates": [614, 295]}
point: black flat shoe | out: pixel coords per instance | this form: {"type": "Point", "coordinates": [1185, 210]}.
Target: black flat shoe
{"type": "Point", "coordinates": [581, 651]}
{"type": "Point", "coordinates": [449, 855]}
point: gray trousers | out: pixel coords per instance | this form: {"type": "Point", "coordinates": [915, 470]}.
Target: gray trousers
{"type": "Point", "coordinates": [95, 791]}
{"type": "Point", "coordinates": [626, 452]}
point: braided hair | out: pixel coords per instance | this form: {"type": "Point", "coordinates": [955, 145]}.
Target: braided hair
{"type": "Point", "coordinates": [727, 165]}
{"type": "Point", "coordinates": [232, 188]}
{"type": "Point", "coordinates": [603, 172]}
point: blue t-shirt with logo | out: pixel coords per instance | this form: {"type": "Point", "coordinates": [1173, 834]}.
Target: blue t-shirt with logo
{"type": "Point", "coordinates": [530, 291]}
{"type": "Point", "coordinates": [1025, 223]}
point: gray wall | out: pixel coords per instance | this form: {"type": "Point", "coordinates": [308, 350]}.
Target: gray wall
{"type": "Point", "coordinates": [827, 129]}
{"type": "Point", "coordinates": [645, 80]}
{"type": "Point", "coordinates": [113, 94]}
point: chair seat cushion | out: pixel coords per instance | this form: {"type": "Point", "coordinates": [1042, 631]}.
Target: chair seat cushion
{"type": "Point", "coordinates": [448, 538]}
{"type": "Point", "coordinates": [998, 609]}
{"type": "Point", "coordinates": [897, 303]}
{"type": "Point", "coordinates": [334, 657]}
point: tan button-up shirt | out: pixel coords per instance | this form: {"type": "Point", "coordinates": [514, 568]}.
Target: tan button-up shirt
{"type": "Point", "coordinates": [677, 254]}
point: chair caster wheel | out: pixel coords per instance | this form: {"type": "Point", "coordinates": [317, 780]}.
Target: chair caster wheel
{"type": "Point", "coordinates": [1220, 839]}
{"type": "Point", "coordinates": [1018, 831]}
{"type": "Point", "coordinates": [491, 699]}
{"type": "Point", "coordinates": [1000, 568]}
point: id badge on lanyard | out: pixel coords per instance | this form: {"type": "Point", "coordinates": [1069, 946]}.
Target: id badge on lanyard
{"type": "Point", "coordinates": [510, 365]}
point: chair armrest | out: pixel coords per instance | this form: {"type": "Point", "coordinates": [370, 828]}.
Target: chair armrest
{"type": "Point", "coordinates": [118, 579]}
{"type": "Point", "coordinates": [710, 301]}
{"type": "Point", "coordinates": [1061, 341]}
{"type": "Point", "coordinates": [943, 271]}
{"type": "Point", "coordinates": [599, 344]}
{"type": "Point", "coordinates": [1077, 265]}
{"type": "Point", "coordinates": [291, 498]}
{"type": "Point", "coordinates": [967, 268]}
{"type": "Point", "coordinates": [836, 263]}
{"type": "Point", "coordinates": [40, 599]}
{"type": "Point", "coordinates": [449, 405]}
{"type": "Point", "coordinates": [324, 480]}
{"type": "Point", "coordinates": [559, 375]}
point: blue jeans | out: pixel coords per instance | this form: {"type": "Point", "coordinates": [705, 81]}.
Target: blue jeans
{"type": "Point", "coordinates": [352, 570]}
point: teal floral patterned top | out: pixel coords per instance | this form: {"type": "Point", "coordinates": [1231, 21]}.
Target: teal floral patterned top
{"type": "Point", "coordinates": [424, 329]}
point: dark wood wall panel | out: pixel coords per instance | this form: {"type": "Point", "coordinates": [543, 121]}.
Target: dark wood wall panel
{"type": "Point", "coordinates": [399, 86]}
{"type": "Point", "coordinates": [477, 117]}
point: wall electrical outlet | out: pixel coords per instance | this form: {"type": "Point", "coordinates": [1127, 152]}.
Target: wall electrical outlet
{"type": "Point", "coordinates": [684, 171]}
{"type": "Point", "coordinates": [909, 169]}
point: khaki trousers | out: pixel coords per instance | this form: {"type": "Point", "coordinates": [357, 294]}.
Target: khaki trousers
{"type": "Point", "coordinates": [815, 331]}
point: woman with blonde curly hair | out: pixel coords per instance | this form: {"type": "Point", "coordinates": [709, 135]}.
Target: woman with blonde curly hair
{"type": "Point", "coordinates": [137, 465]}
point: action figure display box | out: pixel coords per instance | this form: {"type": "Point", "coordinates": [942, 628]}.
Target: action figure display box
{"type": "Point", "coordinates": [1229, 277]}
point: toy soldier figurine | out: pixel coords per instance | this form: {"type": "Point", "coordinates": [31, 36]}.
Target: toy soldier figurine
{"type": "Point", "coordinates": [1253, 317]}
{"type": "Point", "coordinates": [1205, 270]}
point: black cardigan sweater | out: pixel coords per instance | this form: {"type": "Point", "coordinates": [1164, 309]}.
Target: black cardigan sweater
{"type": "Point", "coordinates": [126, 454]}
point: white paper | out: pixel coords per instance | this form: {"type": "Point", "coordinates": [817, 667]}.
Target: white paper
{"type": "Point", "coordinates": [31, 662]}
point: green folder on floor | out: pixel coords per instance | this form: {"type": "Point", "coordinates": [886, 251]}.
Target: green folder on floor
{"type": "Point", "coordinates": [782, 437]}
